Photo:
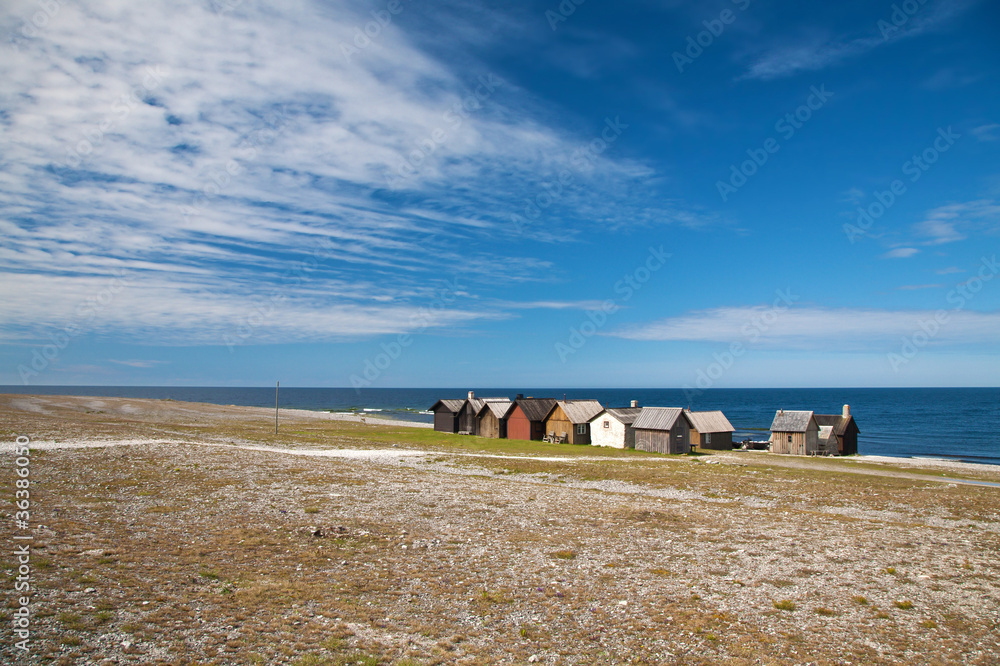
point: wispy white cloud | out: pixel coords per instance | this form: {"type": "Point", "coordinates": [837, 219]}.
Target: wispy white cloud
{"type": "Point", "coordinates": [814, 328]}
{"type": "Point", "coordinates": [955, 222]}
{"type": "Point", "coordinates": [919, 287]}
{"type": "Point", "coordinates": [556, 305]}
{"type": "Point", "coordinates": [214, 154]}
{"type": "Point", "coordinates": [901, 253]}
{"type": "Point", "coordinates": [853, 196]}
{"type": "Point", "coordinates": [950, 77]}
{"type": "Point", "coordinates": [988, 132]}
{"type": "Point", "coordinates": [137, 363]}
{"type": "Point", "coordinates": [816, 50]}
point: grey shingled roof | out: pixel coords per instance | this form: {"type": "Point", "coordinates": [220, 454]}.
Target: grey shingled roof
{"type": "Point", "coordinates": [626, 415]}
{"type": "Point", "coordinates": [657, 418]}
{"type": "Point", "coordinates": [580, 411]}
{"type": "Point", "coordinates": [536, 409]}
{"type": "Point", "coordinates": [499, 407]}
{"type": "Point", "coordinates": [709, 422]}
{"type": "Point", "coordinates": [791, 421]}
{"type": "Point", "coordinates": [454, 406]}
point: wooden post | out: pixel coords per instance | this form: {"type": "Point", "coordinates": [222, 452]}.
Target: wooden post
{"type": "Point", "coordinates": [276, 384]}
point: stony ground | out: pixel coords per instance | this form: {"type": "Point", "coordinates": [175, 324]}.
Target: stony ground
{"type": "Point", "coordinates": [173, 533]}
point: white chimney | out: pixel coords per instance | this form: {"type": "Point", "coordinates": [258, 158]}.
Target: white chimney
{"type": "Point", "coordinates": [635, 403]}
{"type": "Point", "coordinates": [472, 395]}
{"type": "Point", "coordinates": [847, 411]}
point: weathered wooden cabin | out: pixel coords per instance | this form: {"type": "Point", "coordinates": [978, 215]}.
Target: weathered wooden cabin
{"type": "Point", "coordinates": [569, 421]}
{"type": "Point", "coordinates": [795, 432]}
{"type": "Point", "coordinates": [492, 418]}
{"type": "Point", "coordinates": [845, 429]}
{"type": "Point", "coordinates": [662, 430]}
{"type": "Point", "coordinates": [828, 445]}
{"type": "Point", "coordinates": [711, 430]}
{"type": "Point", "coordinates": [467, 422]}
{"type": "Point", "coordinates": [446, 414]}
{"type": "Point", "coordinates": [613, 427]}
{"type": "Point", "coordinates": [527, 418]}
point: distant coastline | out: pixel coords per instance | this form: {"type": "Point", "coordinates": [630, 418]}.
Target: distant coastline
{"type": "Point", "coordinates": [896, 422]}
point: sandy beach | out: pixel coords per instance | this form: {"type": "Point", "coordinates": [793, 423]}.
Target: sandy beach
{"type": "Point", "coordinates": [168, 532]}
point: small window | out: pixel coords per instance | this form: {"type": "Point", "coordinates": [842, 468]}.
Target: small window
{"type": "Point", "coordinates": [789, 439]}
{"type": "Point", "coordinates": [581, 429]}
{"type": "Point", "coordinates": [607, 424]}
{"type": "Point", "coordinates": [708, 438]}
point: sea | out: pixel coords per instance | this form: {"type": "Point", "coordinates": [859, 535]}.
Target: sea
{"type": "Point", "coordinates": [949, 423]}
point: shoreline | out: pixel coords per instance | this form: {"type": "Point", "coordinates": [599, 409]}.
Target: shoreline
{"type": "Point", "coordinates": [131, 407]}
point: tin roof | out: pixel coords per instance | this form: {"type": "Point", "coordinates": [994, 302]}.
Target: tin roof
{"type": "Point", "coordinates": [709, 421]}
{"type": "Point", "coordinates": [580, 411]}
{"type": "Point", "coordinates": [657, 418]}
{"type": "Point", "coordinates": [791, 421]}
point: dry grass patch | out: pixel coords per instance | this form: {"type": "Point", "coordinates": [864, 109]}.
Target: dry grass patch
{"type": "Point", "coordinates": [232, 572]}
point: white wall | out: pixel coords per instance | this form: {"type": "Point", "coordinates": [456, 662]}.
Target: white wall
{"type": "Point", "coordinates": [613, 435]}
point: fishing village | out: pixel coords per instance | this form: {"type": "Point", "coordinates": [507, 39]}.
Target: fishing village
{"type": "Point", "coordinates": [652, 429]}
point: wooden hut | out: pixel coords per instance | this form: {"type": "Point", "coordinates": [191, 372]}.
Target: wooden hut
{"type": "Point", "coordinates": [569, 421]}
{"type": "Point", "coordinates": [492, 418]}
{"type": "Point", "coordinates": [662, 430]}
{"type": "Point", "coordinates": [446, 414]}
{"type": "Point", "coordinates": [828, 445]}
{"type": "Point", "coordinates": [613, 427]}
{"type": "Point", "coordinates": [795, 432]}
{"type": "Point", "coordinates": [711, 430]}
{"type": "Point", "coordinates": [844, 428]}
{"type": "Point", "coordinates": [527, 418]}
{"type": "Point", "coordinates": [467, 421]}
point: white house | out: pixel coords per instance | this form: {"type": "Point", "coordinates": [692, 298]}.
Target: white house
{"type": "Point", "coordinates": [613, 427]}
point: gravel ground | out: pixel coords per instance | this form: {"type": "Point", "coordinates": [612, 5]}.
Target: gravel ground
{"type": "Point", "coordinates": [212, 546]}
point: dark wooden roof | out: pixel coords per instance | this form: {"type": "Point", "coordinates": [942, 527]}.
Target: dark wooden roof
{"type": "Point", "coordinates": [840, 423]}
{"type": "Point", "coordinates": [536, 409]}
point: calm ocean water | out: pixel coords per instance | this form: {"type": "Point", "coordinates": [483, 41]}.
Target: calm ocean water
{"type": "Point", "coordinates": [958, 423]}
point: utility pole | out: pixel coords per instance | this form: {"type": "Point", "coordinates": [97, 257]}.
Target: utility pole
{"type": "Point", "coordinates": [276, 385]}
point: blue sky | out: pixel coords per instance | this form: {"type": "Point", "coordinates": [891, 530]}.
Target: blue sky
{"type": "Point", "coordinates": [438, 193]}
